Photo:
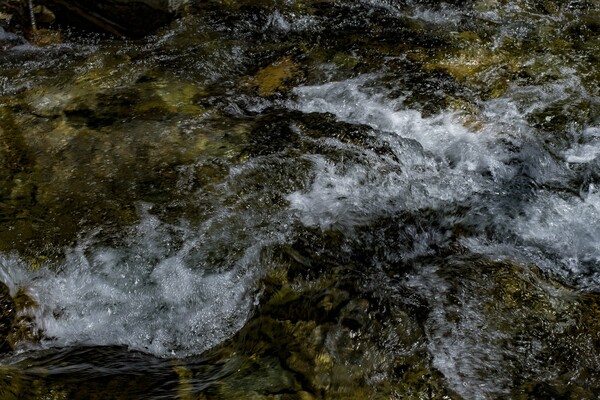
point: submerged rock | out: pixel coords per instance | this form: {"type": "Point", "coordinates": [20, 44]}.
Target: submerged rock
{"type": "Point", "coordinates": [323, 336]}
{"type": "Point", "coordinates": [335, 318]}
{"type": "Point", "coordinates": [88, 373]}
{"type": "Point", "coordinates": [526, 334]}
{"type": "Point", "coordinates": [44, 37]}
{"type": "Point", "coordinates": [112, 135]}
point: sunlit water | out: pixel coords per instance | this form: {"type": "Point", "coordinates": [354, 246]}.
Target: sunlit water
{"type": "Point", "coordinates": [517, 191]}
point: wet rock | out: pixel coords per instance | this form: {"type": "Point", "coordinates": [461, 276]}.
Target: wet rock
{"type": "Point", "coordinates": [23, 331]}
{"type": "Point", "coordinates": [118, 129]}
{"type": "Point", "coordinates": [17, 327]}
{"type": "Point", "coordinates": [273, 77]}
{"type": "Point", "coordinates": [14, 16]}
{"type": "Point", "coordinates": [43, 15]}
{"type": "Point", "coordinates": [477, 66]}
{"type": "Point", "coordinates": [260, 377]}
{"type": "Point", "coordinates": [543, 331]}
{"type": "Point", "coordinates": [341, 339]}
{"type": "Point", "coordinates": [9, 40]}
{"type": "Point", "coordinates": [131, 18]}
{"type": "Point", "coordinates": [333, 338]}
{"type": "Point", "coordinates": [44, 37]}
{"type": "Point", "coordinates": [7, 316]}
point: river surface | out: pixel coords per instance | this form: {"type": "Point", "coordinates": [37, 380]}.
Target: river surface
{"type": "Point", "coordinates": [306, 199]}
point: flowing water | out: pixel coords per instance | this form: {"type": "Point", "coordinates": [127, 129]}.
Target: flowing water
{"type": "Point", "coordinates": [306, 199]}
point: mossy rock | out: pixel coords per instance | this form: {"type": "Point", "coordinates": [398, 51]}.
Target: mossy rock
{"type": "Point", "coordinates": [17, 328]}
{"type": "Point", "coordinates": [478, 67]}
{"type": "Point", "coordinates": [273, 78]}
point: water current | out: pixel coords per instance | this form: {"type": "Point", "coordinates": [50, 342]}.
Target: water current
{"type": "Point", "coordinates": [412, 186]}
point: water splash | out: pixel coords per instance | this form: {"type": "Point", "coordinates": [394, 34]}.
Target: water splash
{"type": "Point", "coordinates": [149, 294]}
{"type": "Point", "coordinates": [498, 173]}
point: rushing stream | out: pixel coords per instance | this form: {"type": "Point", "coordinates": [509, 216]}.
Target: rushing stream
{"type": "Point", "coordinates": [305, 199]}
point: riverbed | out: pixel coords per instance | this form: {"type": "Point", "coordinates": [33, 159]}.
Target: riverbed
{"type": "Point", "coordinates": [306, 200]}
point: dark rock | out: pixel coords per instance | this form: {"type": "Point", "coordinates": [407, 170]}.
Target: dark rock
{"type": "Point", "coordinates": [14, 17]}
{"type": "Point", "coordinates": [7, 315]}
{"type": "Point", "coordinates": [118, 17]}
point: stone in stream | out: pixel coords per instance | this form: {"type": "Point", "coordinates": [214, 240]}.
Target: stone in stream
{"type": "Point", "coordinates": [13, 15]}
{"type": "Point", "coordinates": [7, 315]}
{"type": "Point", "coordinates": [17, 24]}
{"type": "Point", "coordinates": [119, 17]}
{"type": "Point", "coordinates": [324, 337]}
{"type": "Point", "coordinates": [16, 324]}
{"type": "Point", "coordinates": [9, 40]}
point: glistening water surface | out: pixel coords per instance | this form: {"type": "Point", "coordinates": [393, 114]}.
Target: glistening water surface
{"type": "Point", "coordinates": [306, 199]}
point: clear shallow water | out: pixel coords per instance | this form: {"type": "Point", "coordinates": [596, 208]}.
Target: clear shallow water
{"type": "Point", "coordinates": [438, 171]}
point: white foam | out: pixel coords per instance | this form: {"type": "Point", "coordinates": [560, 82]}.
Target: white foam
{"type": "Point", "coordinates": [447, 162]}
{"type": "Point", "coordinates": [438, 162]}
{"type": "Point", "coordinates": [562, 226]}
{"type": "Point", "coordinates": [586, 146]}
{"type": "Point", "coordinates": [158, 292]}
{"type": "Point", "coordinates": [581, 154]}
{"type": "Point", "coordinates": [436, 159]}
